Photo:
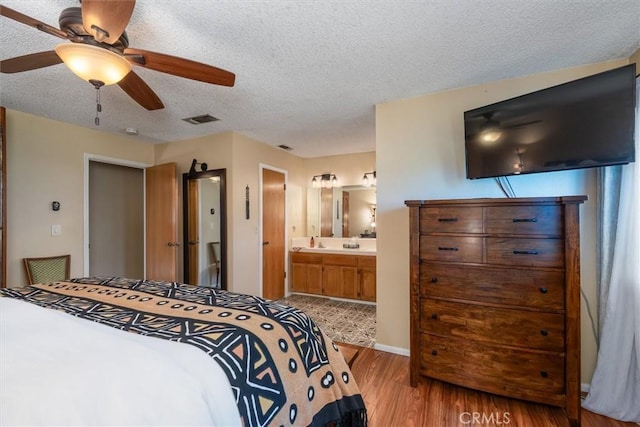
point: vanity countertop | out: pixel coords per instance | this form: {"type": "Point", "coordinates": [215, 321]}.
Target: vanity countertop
{"type": "Point", "coordinates": [331, 245]}
{"type": "Point", "coordinates": [359, 251]}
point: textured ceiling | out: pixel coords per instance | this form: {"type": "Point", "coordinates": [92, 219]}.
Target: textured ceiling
{"type": "Point", "coordinates": [309, 73]}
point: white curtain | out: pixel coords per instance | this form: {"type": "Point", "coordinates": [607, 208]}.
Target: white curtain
{"type": "Point", "coordinates": [615, 386]}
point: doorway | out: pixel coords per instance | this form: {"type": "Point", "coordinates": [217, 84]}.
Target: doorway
{"type": "Point", "coordinates": [273, 233]}
{"type": "Point", "coordinates": [115, 220]}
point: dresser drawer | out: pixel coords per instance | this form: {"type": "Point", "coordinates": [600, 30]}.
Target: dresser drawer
{"type": "Point", "coordinates": [518, 328]}
{"type": "Point", "coordinates": [451, 248]}
{"type": "Point", "coordinates": [509, 372]}
{"type": "Point", "coordinates": [451, 220]}
{"type": "Point", "coordinates": [525, 252]}
{"type": "Point", "coordinates": [539, 220]}
{"type": "Point", "coordinates": [511, 286]}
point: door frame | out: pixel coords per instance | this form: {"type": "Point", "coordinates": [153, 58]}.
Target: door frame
{"type": "Point", "coordinates": [261, 167]}
{"type": "Point", "coordinates": [85, 202]}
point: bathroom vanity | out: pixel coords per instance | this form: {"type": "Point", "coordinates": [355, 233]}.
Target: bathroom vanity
{"type": "Point", "coordinates": [331, 271]}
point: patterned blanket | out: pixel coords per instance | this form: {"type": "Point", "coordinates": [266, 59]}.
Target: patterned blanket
{"type": "Point", "coordinates": [282, 369]}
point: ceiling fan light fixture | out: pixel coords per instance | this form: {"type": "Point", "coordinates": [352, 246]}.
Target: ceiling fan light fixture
{"type": "Point", "coordinates": [93, 63]}
{"type": "Point", "coordinates": [490, 136]}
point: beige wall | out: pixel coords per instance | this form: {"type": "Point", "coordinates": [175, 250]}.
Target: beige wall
{"type": "Point", "coordinates": [420, 155]}
{"type": "Point", "coordinates": [45, 162]}
{"type": "Point", "coordinates": [242, 157]}
{"type": "Point", "coordinates": [635, 58]}
{"type": "Point", "coordinates": [216, 152]}
{"type": "Point", "coordinates": [248, 156]}
{"type": "Point", "coordinates": [348, 168]}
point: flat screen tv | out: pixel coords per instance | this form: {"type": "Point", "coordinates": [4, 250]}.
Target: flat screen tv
{"type": "Point", "coordinates": [585, 123]}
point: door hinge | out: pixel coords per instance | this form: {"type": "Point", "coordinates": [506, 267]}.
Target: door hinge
{"type": "Point", "coordinates": [285, 274]}
{"type": "Point", "coordinates": [285, 186]}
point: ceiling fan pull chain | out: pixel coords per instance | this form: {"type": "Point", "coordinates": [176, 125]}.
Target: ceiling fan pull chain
{"type": "Point", "coordinates": [97, 84]}
{"type": "Point", "coordinates": [98, 106]}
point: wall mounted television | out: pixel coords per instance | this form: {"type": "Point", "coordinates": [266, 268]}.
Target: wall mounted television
{"type": "Point", "coordinates": [584, 123]}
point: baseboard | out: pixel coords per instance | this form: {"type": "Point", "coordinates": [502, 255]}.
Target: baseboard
{"type": "Point", "coordinates": [390, 349]}
{"type": "Point", "coordinates": [584, 390]}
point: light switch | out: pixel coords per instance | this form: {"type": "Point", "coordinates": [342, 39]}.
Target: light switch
{"type": "Point", "coordinates": [56, 230]}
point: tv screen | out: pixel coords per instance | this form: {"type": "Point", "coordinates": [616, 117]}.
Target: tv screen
{"type": "Point", "coordinates": [584, 123]}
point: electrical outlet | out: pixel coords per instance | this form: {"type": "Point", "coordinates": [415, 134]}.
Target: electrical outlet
{"type": "Point", "coordinates": [56, 230]}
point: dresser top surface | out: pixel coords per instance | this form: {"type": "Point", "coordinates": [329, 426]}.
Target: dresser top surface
{"type": "Point", "coordinates": [498, 201]}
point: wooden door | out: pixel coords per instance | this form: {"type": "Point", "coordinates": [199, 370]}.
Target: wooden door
{"type": "Point", "coordinates": [193, 237]}
{"type": "Point", "coordinates": [326, 212]}
{"type": "Point", "coordinates": [345, 214]}
{"type": "Point", "coordinates": [3, 198]}
{"type": "Point", "coordinates": [162, 222]}
{"type": "Point", "coordinates": [273, 244]}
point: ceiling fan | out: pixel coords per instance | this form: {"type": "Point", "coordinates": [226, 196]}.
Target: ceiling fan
{"type": "Point", "coordinates": [99, 51]}
{"type": "Point", "coordinates": [491, 129]}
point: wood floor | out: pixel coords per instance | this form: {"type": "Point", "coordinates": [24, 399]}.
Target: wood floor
{"type": "Point", "coordinates": [384, 382]}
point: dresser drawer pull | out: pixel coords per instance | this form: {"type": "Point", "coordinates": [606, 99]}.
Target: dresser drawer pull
{"type": "Point", "coordinates": [447, 219]}
{"type": "Point", "coordinates": [434, 316]}
{"type": "Point", "coordinates": [517, 252]}
{"type": "Point", "coordinates": [543, 290]}
{"type": "Point", "coordinates": [544, 332]}
{"type": "Point", "coordinates": [525, 220]}
{"type": "Point", "coordinates": [445, 248]}
{"type": "Point", "coordinates": [434, 280]}
{"type": "Point", "coordinates": [434, 352]}
{"type": "Point", "coordinates": [544, 374]}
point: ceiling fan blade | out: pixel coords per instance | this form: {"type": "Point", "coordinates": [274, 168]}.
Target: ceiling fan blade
{"type": "Point", "coordinates": [137, 89]}
{"type": "Point", "coordinates": [27, 20]}
{"type": "Point", "coordinates": [180, 67]}
{"type": "Point", "coordinates": [517, 125]}
{"type": "Point", "coordinates": [32, 61]}
{"type": "Point", "coordinates": [106, 20]}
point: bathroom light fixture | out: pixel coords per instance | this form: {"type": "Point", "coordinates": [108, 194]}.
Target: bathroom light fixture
{"type": "Point", "coordinates": [326, 180]}
{"type": "Point", "coordinates": [366, 181]}
{"type": "Point", "coordinates": [373, 218]}
{"type": "Point", "coordinates": [92, 63]}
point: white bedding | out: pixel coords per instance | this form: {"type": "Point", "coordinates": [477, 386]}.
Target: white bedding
{"type": "Point", "coordinates": [56, 369]}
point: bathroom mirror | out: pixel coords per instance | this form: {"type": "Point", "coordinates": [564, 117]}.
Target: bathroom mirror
{"type": "Point", "coordinates": [205, 228]}
{"type": "Point", "coordinates": [341, 211]}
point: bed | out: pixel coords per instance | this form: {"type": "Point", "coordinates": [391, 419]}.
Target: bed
{"type": "Point", "coordinates": [83, 352]}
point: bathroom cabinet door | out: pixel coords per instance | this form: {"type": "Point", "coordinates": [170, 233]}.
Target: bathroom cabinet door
{"type": "Point", "coordinates": [314, 279]}
{"type": "Point", "coordinates": [367, 284]}
{"type": "Point", "coordinates": [306, 273]}
{"type": "Point", "coordinates": [340, 281]}
{"type": "Point", "coordinates": [298, 277]}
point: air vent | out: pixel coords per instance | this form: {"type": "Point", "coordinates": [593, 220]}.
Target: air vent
{"type": "Point", "coordinates": [285, 147]}
{"type": "Point", "coordinates": [198, 120]}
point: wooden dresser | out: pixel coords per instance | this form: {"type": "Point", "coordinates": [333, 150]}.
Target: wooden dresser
{"type": "Point", "coordinates": [495, 296]}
